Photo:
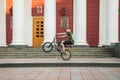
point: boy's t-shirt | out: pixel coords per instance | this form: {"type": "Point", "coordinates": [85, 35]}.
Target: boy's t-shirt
{"type": "Point", "coordinates": [69, 34]}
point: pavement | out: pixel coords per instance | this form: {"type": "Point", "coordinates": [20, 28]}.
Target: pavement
{"type": "Point", "coordinates": [57, 69]}
{"type": "Point", "coordinates": [60, 73]}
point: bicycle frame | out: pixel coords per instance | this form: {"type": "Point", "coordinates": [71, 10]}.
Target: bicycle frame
{"type": "Point", "coordinates": [54, 43]}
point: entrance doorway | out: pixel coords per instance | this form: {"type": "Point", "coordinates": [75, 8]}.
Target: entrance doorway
{"type": "Point", "coordinates": [38, 31]}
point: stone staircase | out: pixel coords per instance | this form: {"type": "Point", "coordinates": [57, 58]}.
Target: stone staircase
{"type": "Point", "coordinates": [77, 52]}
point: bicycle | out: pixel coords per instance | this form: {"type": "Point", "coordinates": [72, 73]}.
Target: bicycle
{"type": "Point", "coordinates": [48, 47]}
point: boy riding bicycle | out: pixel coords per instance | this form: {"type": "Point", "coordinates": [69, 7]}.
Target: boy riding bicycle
{"type": "Point", "coordinates": [67, 34]}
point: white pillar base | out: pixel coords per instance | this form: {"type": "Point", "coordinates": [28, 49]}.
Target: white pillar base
{"type": "Point", "coordinates": [18, 45]}
{"type": "Point", "coordinates": [101, 44]}
{"type": "Point", "coordinates": [81, 44]}
{"type": "Point", "coordinates": [109, 43]}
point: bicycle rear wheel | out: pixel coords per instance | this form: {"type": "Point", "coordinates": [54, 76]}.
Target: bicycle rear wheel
{"type": "Point", "coordinates": [66, 55]}
{"type": "Point", "coordinates": [47, 47]}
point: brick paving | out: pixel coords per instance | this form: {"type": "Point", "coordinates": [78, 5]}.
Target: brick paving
{"type": "Point", "coordinates": [60, 73]}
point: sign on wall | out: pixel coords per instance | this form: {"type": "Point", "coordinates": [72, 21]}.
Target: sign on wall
{"type": "Point", "coordinates": [39, 9]}
{"type": "Point", "coordinates": [64, 22]}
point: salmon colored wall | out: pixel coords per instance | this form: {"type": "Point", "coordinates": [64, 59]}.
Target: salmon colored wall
{"type": "Point", "coordinates": [93, 22]}
{"type": "Point", "coordinates": [36, 3]}
{"type": "Point", "coordinates": [8, 18]}
{"type": "Point", "coordinates": [69, 13]}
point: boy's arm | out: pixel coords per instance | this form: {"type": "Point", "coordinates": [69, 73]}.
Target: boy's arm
{"type": "Point", "coordinates": [61, 36]}
{"type": "Point", "coordinates": [61, 33]}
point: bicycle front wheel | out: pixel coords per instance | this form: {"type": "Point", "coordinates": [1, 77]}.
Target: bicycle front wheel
{"type": "Point", "coordinates": [66, 55]}
{"type": "Point", "coordinates": [47, 47]}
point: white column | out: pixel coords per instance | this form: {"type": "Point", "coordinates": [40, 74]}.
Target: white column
{"type": "Point", "coordinates": [49, 20]}
{"type": "Point", "coordinates": [28, 22]}
{"type": "Point", "coordinates": [18, 22]}
{"type": "Point", "coordinates": [102, 22]}
{"type": "Point", "coordinates": [2, 23]}
{"type": "Point", "coordinates": [80, 22]}
{"type": "Point", "coordinates": [112, 21]}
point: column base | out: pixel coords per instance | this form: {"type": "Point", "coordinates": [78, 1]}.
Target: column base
{"type": "Point", "coordinates": [18, 45]}
{"type": "Point", "coordinates": [107, 44]}
{"type": "Point", "coordinates": [81, 45]}
{"type": "Point", "coordinates": [3, 45]}
{"type": "Point", "coordinates": [101, 44]}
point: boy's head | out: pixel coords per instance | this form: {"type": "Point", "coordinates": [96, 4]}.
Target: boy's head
{"type": "Point", "coordinates": [68, 30]}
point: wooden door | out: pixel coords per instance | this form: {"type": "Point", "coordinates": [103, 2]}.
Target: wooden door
{"type": "Point", "coordinates": [38, 31]}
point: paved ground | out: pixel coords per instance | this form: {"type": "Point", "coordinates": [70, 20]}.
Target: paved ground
{"type": "Point", "coordinates": [60, 73]}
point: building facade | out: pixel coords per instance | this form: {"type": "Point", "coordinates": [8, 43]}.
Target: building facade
{"type": "Point", "coordinates": [33, 22]}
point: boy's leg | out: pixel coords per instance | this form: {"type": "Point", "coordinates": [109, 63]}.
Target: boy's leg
{"type": "Point", "coordinates": [63, 46]}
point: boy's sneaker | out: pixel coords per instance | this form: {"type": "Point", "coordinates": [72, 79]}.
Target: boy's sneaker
{"type": "Point", "coordinates": [59, 57]}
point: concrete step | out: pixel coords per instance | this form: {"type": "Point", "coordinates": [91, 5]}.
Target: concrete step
{"type": "Point", "coordinates": [37, 52]}
{"type": "Point", "coordinates": [55, 62]}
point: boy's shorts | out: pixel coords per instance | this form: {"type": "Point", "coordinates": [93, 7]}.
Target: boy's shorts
{"type": "Point", "coordinates": [67, 42]}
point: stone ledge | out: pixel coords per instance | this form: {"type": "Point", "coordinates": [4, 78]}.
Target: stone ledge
{"type": "Point", "coordinates": [59, 65]}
